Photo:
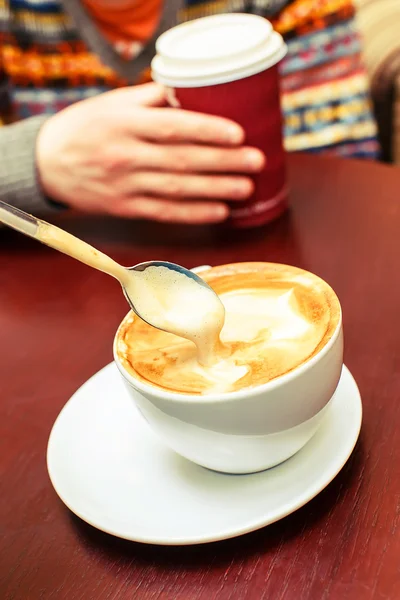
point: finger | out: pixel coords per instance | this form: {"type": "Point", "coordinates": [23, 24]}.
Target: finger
{"type": "Point", "coordinates": [178, 185]}
{"type": "Point", "coordinates": [148, 94]}
{"type": "Point", "coordinates": [168, 125]}
{"type": "Point", "coordinates": [170, 211]}
{"type": "Point", "coordinates": [198, 159]}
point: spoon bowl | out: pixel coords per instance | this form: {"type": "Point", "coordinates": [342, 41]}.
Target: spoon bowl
{"type": "Point", "coordinates": [174, 299]}
{"type": "Point", "coordinates": [140, 267]}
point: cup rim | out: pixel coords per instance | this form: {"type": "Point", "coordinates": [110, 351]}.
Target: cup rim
{"type": "Point", "coordinates": [226, 396]}
{"type": "Point", "coordinates": [175, 70]}
{"type": "Point", "coordinates": [166, 39]}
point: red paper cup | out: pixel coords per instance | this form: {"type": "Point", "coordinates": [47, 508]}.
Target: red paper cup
{"type": "Point", "coordinates": [227, 65]}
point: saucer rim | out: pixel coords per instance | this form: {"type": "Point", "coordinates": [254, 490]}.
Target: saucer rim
{"type": "Point", "coordinates": [306, 497]}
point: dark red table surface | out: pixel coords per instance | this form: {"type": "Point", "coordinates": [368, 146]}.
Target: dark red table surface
{"type": "Point", "coordinates": [57, 321]}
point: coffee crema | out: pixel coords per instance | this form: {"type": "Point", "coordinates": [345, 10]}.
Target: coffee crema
{"type": "Point", "coordinates": [277, 317]}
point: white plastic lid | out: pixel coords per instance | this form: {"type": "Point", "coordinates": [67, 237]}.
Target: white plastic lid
{"type": "Point", "coordinates": [215, 50]}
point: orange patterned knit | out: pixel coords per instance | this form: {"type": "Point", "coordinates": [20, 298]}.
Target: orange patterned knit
{"type": "Point", "coordinates": [127, 24]}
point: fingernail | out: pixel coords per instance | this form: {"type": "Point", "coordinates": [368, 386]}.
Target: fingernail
{"type": "Point", "coordinates": [242, 189]}
{"type": "Point", "coordinates": [255, 159]}
{"type": "Point", "coordinates": [234, 134]}
{"type": "Point", "coordinates": [220, 212]}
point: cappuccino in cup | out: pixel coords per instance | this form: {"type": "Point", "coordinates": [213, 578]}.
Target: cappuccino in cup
{"type": "Point", "coordinates": [277, 318]}
{"type": "Point", "coordinates": [255, 388]}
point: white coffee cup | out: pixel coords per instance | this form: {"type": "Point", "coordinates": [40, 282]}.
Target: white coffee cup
{"type": "Point", "coordinates": [248, 430]}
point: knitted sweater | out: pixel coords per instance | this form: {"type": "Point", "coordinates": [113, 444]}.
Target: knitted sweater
{"type": "Point", "coordinates": [52, 54]}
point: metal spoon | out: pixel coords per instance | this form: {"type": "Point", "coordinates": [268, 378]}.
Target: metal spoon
{"type": "Point", "coordinates": [68, 244]}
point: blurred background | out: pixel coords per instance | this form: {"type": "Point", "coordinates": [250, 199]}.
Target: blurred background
{"type": "Point", "coordinates": [379, 24]}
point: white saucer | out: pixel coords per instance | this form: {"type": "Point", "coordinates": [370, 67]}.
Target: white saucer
{"type": "Point", "coordinates": [111, 470]}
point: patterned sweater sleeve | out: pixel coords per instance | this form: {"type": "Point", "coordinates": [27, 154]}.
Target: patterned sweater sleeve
{"type": "Point", "coordinates": [19, 183]}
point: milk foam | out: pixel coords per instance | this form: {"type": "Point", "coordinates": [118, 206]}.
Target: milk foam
{"type": "Point", "coordinates": [249, 311]}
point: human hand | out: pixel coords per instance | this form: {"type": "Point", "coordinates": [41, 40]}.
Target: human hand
{"type": "Point", "coordinates": [124, 153]}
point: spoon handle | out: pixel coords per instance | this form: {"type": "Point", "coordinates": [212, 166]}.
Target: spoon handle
{"type": "Point", "coordinates": [60, 240]}
{"type": "Point", "coordinates": [18, 219]}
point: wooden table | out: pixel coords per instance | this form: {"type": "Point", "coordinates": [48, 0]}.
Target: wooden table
{"type": "Point", "coordinates": [56, 329]}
